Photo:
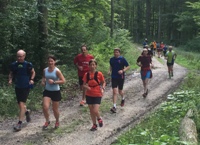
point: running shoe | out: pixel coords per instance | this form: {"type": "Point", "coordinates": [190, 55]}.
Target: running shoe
{"type": "Point", "coordinates": [100, 121]}
{"type": "Point", "coordinates": [147, 92]}
{"type": "Point", "coordinates": [56, 125]}
{"type": "Point", "coordinates": [18, 127]}
{"type": "Point", "coordinates": [122, 102]}
{"type": "Point", "coordinates": [113, 110]}
{"type": "Point", "coordinates": [82, 103]}
{"type": "Point", "coordinates": [144, 95]}
{"type": "Point", "coordinates": [94, 127]}
{"type": "Point", "coordinates": [46, 124]}
{"type": "Point", "coordinates": [28, 118]}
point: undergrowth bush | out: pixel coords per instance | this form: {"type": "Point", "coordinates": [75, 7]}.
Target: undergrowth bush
{"type": "Point", "coordinates": [192, 45]}
{"type": "Point", "coordinates": [190, 60]}
{"type": "Point", "coordinates": [104, 51]}
{"type": "Point", "coordinates": [162, 127]}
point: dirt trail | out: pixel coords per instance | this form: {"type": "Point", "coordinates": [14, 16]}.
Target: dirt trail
{"type": "Point", "coordinates": [75, 124]}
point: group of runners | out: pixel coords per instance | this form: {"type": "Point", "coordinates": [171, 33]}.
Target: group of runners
{"type": "Point", "coordinates": [156, 48]}
{"type": "Point", "coordinates": [162, 50]}
{"type": "Point", "coordinates": [23, 74]}
{"type": "Point", "coordinates": [92, 82]}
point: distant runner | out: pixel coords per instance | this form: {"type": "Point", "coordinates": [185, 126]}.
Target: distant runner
{"type": "Point", "coordinates": [144, 61]}
{"type": "Point", "coordinates": [170, 56]}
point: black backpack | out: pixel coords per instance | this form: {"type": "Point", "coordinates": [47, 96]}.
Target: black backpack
{"type": "Point", "coordinates": [95, 78]}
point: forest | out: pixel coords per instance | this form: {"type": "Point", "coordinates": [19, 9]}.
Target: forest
{"type": "Point", "coordinates": [61, 27]}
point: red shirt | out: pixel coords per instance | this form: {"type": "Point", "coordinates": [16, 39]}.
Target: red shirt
{"type": "Point", "coordinates": [96, 90]}
{"type": "Point", "coordinates": [162, 45]}
{"type": "Point", "coordinates": [83, 61]}
{"type": "Point", "coordinates": [145, 61]}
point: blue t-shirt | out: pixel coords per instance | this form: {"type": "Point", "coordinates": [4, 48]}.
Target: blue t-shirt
{"type": "Point", "coordinates": [118, 64]}
{"type": "Point", "coordinates": [21, 73]}
{"type": "Point", "coordinates": [144, 43]}
{"type": "Point", "coordinates": [165, 48]}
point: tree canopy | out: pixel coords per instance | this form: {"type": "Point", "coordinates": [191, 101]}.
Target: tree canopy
{"type": "Point", "coordinates": [60, 27]}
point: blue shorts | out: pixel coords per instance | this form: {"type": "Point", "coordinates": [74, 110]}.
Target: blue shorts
{"type": "Point", "coordinates": [148, 75]}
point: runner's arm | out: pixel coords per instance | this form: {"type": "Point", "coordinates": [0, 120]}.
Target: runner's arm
{"type": "Point", "coordinates": [85, 85]}
{"type": "Point", "coordinates": [10, 77]}
{"type": "Point", "coordinates": [110, 70]}
{"type": "Point", "coordinates": [43, 82]}
{"type": "Point", "coordinates": [61, 78]}
{"type": "Point", "coordinates": [32, 74]}
{"type": "Point", "coordinates": [126, 68]}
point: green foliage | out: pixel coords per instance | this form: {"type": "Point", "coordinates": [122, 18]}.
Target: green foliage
{"type": "Point", "coordinates": [104, 51]}
{"type": "Point", "coordinates": [8, 101]}
{"type": "Point", "coordinates": [188, 58]}
{"type": "Point", "coordinates": [192, 45]}
{"type": "Point", "coordinates": [162, 127]}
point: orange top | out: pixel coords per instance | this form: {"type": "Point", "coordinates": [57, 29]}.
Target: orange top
{"type": "Point", "coordinates": [154, 45]}
{"type": "Point", "coordinates": [95, 89]}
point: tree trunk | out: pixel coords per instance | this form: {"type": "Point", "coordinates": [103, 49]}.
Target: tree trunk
{"type": "Point", "coordinates": [3, 4]}
{"type": "Point", "coordinates": [127, 15]}
{"type": "Point", "coordinates": [43, 33]}
{"type": "Point", "coordinates": [148, 16]}
{"type": "Point", "coordinates": [188, 131]}
{"type": "Point", "coordinates": [159, 22]}
{"type": "Point", "coordinates": [112, 18]}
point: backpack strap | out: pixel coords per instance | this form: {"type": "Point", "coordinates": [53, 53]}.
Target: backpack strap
{"type": "Point", "coordinates": [95, 78]}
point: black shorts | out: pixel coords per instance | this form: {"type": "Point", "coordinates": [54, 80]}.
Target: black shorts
{"type": "Point", "coordinates": [22, 94]}
{"type": "Point", "coordinates": [118, 82]}
{"type": "Point", "coordinates": [54, 95]}
{"type": "Point", "coordinates": [80, 79]}
{"type": "Point", "coordinates": [170, 64]}
{"type": "Point", "coordinates": [93, 100]}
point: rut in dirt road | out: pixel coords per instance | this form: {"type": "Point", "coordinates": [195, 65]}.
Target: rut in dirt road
{"type": "Point", "coordinates": [75, 120]}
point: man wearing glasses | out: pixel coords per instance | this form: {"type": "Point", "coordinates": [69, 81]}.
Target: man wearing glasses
{"type": "Point", "coordinates": [22, 72]}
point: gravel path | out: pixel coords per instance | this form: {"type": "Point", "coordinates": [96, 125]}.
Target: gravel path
{"type": "Point", "coordinates": [75, 120]}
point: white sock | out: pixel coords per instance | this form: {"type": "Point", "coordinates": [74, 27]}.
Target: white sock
{"type": "Point", "coordinates": [115, 105]}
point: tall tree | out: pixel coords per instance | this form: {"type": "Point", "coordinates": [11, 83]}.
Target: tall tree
{"type": "Point", "coordinates": [148, 17]}
{"type": "Point", "coordinates": [42, 50]}
{"type": "Point", "coordinates": [112, 18]}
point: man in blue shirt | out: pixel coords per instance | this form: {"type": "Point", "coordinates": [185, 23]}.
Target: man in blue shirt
{"type": "Point", "coordinates": [23, 74]}
{"type": "Point", "coordinates": [118, 66]}
{"type": "Point", "coordinates": [145, 42]}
